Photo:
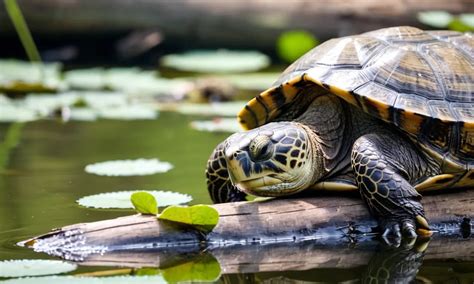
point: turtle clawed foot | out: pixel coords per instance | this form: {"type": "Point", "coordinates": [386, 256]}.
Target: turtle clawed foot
{"type": "Point", "coordinates": [402, 233]}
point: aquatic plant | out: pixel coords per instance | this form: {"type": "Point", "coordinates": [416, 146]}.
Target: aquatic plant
{"type": "Point", "coordinates": [22, 30]}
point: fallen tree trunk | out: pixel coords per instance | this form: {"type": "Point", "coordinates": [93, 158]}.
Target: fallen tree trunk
{"type": "Point", "coordinates": [327, 221]}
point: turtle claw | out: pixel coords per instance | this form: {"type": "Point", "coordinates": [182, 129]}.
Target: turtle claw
{"type": "Point", "coordinates": [402, 233]}
{"type": "Point", "coordinates": [391, 234]}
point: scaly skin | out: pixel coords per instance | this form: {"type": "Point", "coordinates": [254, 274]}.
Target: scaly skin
{"type": "Point", "coordinates": [329, 139]}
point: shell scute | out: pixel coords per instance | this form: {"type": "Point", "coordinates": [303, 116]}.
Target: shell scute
{"type": "Point", "coordinates": [420, 81]}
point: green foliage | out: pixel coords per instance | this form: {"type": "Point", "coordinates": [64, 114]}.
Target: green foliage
{"type": "Point", "coordinates": [147, 271]}
{"type": "Point", "coordinates": [444, 20]}
{"type": "Point", "coordinates": [21, 28]}
{"type": "Point", "coordinates": [201, 217]}
{"type": "Point", "coordinates": [458, 25]}
{"type": "Point", "coordinates": [144, 203]}
{"type": "Point", "coordinates": [206, 269]}
{"type": "Point", "coordinates": [292, 45]}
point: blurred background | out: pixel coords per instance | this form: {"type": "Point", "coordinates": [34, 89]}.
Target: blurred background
{"type": "Point", "coordinates": [140, 31]}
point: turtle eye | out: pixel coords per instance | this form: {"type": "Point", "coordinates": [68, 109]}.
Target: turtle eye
{"type": "Point", "coordinates": [260, 148]}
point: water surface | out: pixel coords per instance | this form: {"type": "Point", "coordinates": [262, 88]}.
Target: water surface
{"type": "Point", "coordinates": [44, 176]}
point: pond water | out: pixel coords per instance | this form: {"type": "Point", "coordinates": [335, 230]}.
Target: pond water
{"type": "Point", "coordinates": [43, 176]}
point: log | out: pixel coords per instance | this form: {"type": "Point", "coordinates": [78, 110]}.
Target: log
{"type": "Point", "coordinates": [259, 236]}
{"type": "Point", "coordinates": [223, 23]}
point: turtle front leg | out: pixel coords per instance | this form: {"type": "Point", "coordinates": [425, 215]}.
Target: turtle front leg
{"type": "Point", "coordinates": [219, 185]}
{"type": "Point", "coordinates": [383, 165]}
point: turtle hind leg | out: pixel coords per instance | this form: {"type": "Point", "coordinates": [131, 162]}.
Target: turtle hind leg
{"type": "Point", "coordinates": [383, 165]}
{"type": "Point", "coordinates": [219, 185]}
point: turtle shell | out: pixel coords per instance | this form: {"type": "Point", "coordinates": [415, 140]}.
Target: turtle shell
{"type": "Point", "coordinates": [420, 81]}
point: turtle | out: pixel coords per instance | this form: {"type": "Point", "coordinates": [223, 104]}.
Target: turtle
{"type": "Point", "coordinates": [388, 113]}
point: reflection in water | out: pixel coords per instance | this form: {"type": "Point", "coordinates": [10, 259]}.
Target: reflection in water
{"type": "Point", "coordinates": [394, 265]}
{"type": "Point", "coordinates": [45, 175]}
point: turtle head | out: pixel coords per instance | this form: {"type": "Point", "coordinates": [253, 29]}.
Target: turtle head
{"type": "Point", "coordinates": [273, 160]}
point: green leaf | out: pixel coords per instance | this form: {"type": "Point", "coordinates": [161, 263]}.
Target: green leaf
{"type": "Point", "coordinates": [437, 19]}
{"type": "Point", "coordinates": [206, 269]}
{"type": "Point", "coordinates": [292, 45]}
{"type": "Point", "coordinates": [144, 203]}
{"type": "Point", "coordinates": [202, 217]}
{"type": "Point", "coordinates": [147, 271]}
{"type": "Point", "coordinates": [459, 26]}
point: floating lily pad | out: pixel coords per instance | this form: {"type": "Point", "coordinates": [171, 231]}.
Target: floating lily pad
{"type": "Point", "coordinates": [131, 112]}
{"type": "Point", "coordinates": [45, 104]}
{"type": "Point", "coordinates": [34, 267]}
{"type": "Point", "coordinates": [13, 113]}
{"type": "Point", "coordinates": [212, 109]}
{"type": "Point", "coordinates": [437, 19]}
{"type": "Point", "coordinates": [252, 81]}
{"type": "Point", "coordinates": [86, 79]}
{"type": "Point", "coordinates": [467, 19]}
{"type": "Point", "coordinates": [154, 279]}
{"type": "Point", "coordinates": [144, 83]}
{"type": "Point", "coordinates": [121, 199]}
{"type": "Point", "coordinates": [217, 125]}
{"type": "Point", "coordinates": [202, 217]}
{"type": "Point", "coordinates": [81, 114]}
{"type": "Point", "coordinates": [21, 76]}
{"type": "Point", "coordinates": [103, 100]}
{"type": "Point", "coordinates": [219, 61]}
{"type": "Point", "coordinates": [138, 167]}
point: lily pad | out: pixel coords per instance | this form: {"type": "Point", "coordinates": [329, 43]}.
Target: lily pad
{"type": "Point", "coordinates": [144, 83]}
{"type": "Point", "coordinates": [131, 112]}
{"type": "Point", "coordinates": [80, 114]}
{"type": "Point", "coordinates": [437, 19]}
{"type": "Point", "coordinates": [252, 81]}
{"type": "Point", "coordinates": [217, 125]}
{"type": "Point", "coordinates": [34, 267]}
{"type": "Point", "coordinates": [21, 76]}
{"type": "Point", "coordinates": [144, 203]}
{"type": "Point", "coordinates": [217, 61]}
{"type": "Point", "coordinates": [138, 167]}
{"type": "Point", "coordinates": [14, 113]}
{"type": "Point", "coordinates": [103, 99]}
{"type": "Point", "coordinates": [202, 217]}
{"type": "Point", "coordinates": [155, 279]}
{"type": "Point", "coordinates": [121, 199]}
{"type": "Point", "coordinates": [467, 19]}
{"type": "Point", "coordinates": [86, 79]}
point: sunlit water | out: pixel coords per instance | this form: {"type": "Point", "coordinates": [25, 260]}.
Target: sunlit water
{"type": "Point", "coordinates": [44, 176]}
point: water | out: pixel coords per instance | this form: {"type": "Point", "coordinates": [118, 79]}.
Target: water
{"type": "Point", "coordinates": [45, 175]}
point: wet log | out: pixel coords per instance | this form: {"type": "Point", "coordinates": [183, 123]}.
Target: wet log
{"type": "Point", "coordinates": [321, 221]}
{"type": "Point", "coordinates": [224, 23]}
